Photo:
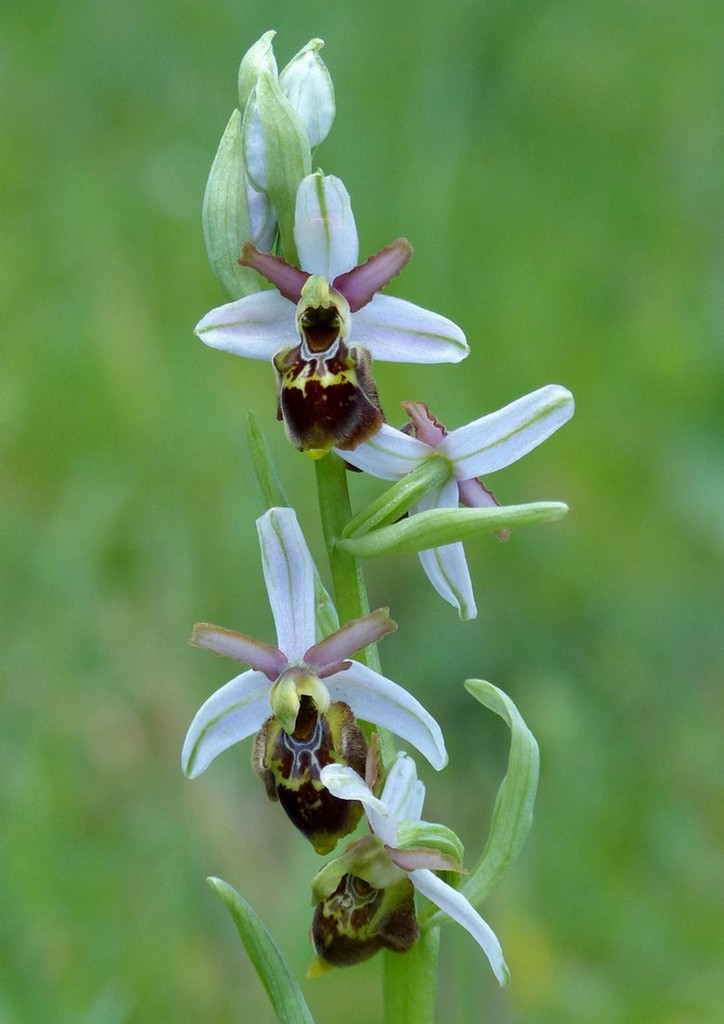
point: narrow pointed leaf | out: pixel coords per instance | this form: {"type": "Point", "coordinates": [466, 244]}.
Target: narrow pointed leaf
{"type": "Point", "coordinates": [264, 469]}
{"type": "Point", "coordinates": [225, 215]}
{"type": "Point", "coordinates": [513, 811]}
{"type": "Point", "coordinates": [399, 498]}
{"type": "Point", "coordinates": [274, 973]}
{"type": "Point", "coordinates": [446, 525]}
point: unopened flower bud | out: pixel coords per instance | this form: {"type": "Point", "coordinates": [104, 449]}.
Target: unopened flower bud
{"type": "Point", "coordinates": [307, 84]}
{"type": "Point", "coordinates": [259, 57]}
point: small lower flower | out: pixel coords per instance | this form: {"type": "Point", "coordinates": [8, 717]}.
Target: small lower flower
{"type": "Point", "coordinates": [303, 695]}
{"type": "Point", "coordinates": [357, 920]}
{"type": "Point", "coordinates": [402, 848]}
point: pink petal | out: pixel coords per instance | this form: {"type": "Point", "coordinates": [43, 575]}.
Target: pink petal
{"type": "Point", "coordinates": [361, 283]}
{"type": "Point", "coordinates": [288, 280]}
{"type": "Point", "coordinates": [344, 642]}
{"type": "Point", "coordinates": [231, 644]}
{"type": "Point", "coordinates": [426, 427]}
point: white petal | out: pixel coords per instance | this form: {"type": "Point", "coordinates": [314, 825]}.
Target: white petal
{"type": "Point", "coordinates": [403, 794]}
{"type": "Point", "coordinates": [231, 714]}
{"type": "Point", "coordinates": [400, 332]}
{"type": "Point", "coordinates": [324, 227]}
{"type": "Point", "coordinates": [459, 909]}
{"type": "Point", "coordinates": [382, 702]}
{"type": "Point", "coordinates": [389, 455]}
{"type": "Point", "coordinates": [345, 783]}
{"type": "Point", "coordinates": [257, 326]}
{"type": "Point", "coordinates": [502, 437]}
{"type": "Point", "coordinates": [289, 575]}
{"type": "Point", "coordinates": [446, 567]}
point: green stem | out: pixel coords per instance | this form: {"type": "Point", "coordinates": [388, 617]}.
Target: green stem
{"type": "Point", "coordinates": [350, 593]}
{"type": "Point", "coordinates": [411, 981]}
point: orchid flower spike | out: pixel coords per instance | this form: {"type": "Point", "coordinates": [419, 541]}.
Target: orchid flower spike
{"type": "Point", "coordinates": [326, 321]}
{"type": "Point", "coordinates": [483, 446]}
{"type": "Point", "coordinates": [353, 891]}
{"type": "Point", "coordinates": [303, 695]}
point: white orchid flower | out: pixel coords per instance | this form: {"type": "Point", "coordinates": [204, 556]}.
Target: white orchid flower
{"type": "Point", "coordinates": [481, 447]}
{"type": "Point", "coordinates": [327, 320]}
{"type": "Point", "coordinates": [399, 806]}
{"type": "Point", "coordinates": [298, 667]}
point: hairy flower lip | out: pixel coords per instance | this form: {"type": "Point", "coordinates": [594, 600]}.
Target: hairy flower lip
{"type": "Point", "coordinates": [240, 708]}
{"type": "Point", "coordinates": [401, 802]}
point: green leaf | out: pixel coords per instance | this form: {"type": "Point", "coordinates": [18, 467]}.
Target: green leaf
{"type": "Point", "coordinates": [264, 469]}
{"type": "Point", "coordinates": [438, 526]}
{"type": "Point", "coordinates": [396, 500]}
{"type": "Point", "coordinates": [259, 57]}
{"type": "Point", "coordinates": [283, 991]}
{"type": "Point", "coordinates": [225, 217]}
{"type": "Point", "coordinates": [288, 156]}
{"type": "Point", "coordinates": [513, 811]}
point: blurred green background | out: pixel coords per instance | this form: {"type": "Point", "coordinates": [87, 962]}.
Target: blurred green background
{"type": "Point", "coordinates": [558, 168]}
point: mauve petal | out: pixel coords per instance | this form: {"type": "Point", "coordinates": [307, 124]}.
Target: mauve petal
{"type": "Point", "coordinates": [288, 280]}
{"type": "Point", "coordinates": [234, 712]}
{"type": "Point", "coordinates": [361, 283]}
{"type": "Point", "coordinates": [257, 326]}
{"type": "Point", "coordinates": [231, 644]}
{"type": "Point", "coordinates": [400, 332]}
{"type": "Point", "coordinates": [352, 637]}
{"type": "Point", "coordinates": [427, 429]}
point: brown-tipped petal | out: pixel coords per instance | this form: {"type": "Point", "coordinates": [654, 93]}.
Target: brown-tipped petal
{"type": "Point", "coordinates": [288, 280]}
{"type": "Point", "coordinates": [351, 637]}
{"type": "Point", "coordinates": [360, 284]}
{"type": "Point", "coordinates": [231, 644]}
